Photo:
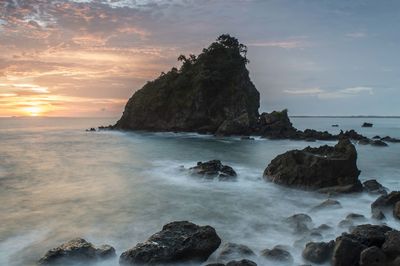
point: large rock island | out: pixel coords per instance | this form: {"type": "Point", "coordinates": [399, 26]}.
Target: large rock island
{"type": "Point", "coordinates": [211, 93]}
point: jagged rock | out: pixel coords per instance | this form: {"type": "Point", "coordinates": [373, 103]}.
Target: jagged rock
{"type": "Point", "coordinates": [275, 125]}
{"type": "Point", "coordinates": [212, 169]}
{"type": "Point", "coordinates": [391, 246]}
{"type": "Point", "coordinates": [277, 254]}
{"type": "Point", "coordinates": [372, 256]}
{"type": "Point", "coordinates": [327, 204]}
{"type": "Point", "coordinates": [299, 222]}
{"type": "Point", "coordinates": [370, 235]}
{"type": "Point", "coordinates": [241, 263]}
{"type": "Point", "coordinates": [378, 143]}
{"type": "Point", "coordinates": [365, 124]}
{"type": "Point", "coordinates": [385, 203]}
{"type": "Point", "coordinates": [177, 242]}
{"type": "Point", "coordinates": [390, 139]}
{"type": "Point", "coordinates": [376, 137]}
{"type": "Point", "coordinates": [346, 252]}
{"type": "Point", "coordinates": [374, 187]}
{"type": "Point", "coordinates": [210, 93]}
{"type": "Point", "coordinates": [396, 210]}
{"type": "Point", "coordinates": [316, 168]}
{"type": "Point", "coordinates": [232, 251]}
{"type": "Point", "coordinates": [77, 250]}
{"type": "Point", "coordinates": [318, 252]}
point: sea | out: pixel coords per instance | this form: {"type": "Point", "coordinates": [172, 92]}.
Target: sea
{"type": "Point", "coordinates": [58, 182]}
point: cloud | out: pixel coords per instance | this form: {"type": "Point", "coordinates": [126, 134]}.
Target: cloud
{"type": "Point", "coordinates": [331, 94]}
{"type": "Point", "coordinates": [285, 44]}
{"type": "Point", "coordinates": [356, 35]}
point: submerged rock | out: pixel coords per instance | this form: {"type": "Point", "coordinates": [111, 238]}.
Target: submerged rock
{"type": "Point", "coordinates": [317, 168]}
{"type": "Point", "coordinates": [300, 222]}
{"type": "Point", "coordinates": [277, 254]}
{"type": "Point", "coordinates": [77, 250]}
{"type": "Point", "coordinates": [318, 252]}
{"type": "Point", "coordinates": [177, 242]}
{"type": "Point", "coordinates": [231, 251]}
{"type": "Point", "coordinates": [327, 204]}
{"type": "Point", "coordinates": [374, 187]}
{"type": "Point", "coordinates": [366, 124]}
{"type": "Point", "coordinates": [212, 169]}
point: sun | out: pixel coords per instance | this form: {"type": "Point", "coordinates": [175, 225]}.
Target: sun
{"type": "Point", "coordinates": [33, 110]}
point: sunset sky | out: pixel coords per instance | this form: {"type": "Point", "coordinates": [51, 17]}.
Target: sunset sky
{"type": "Point", "coordinates": [86, 58]}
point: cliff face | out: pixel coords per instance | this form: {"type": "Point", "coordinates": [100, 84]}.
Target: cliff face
{"type": "Point", "coordinates": [210, 93]}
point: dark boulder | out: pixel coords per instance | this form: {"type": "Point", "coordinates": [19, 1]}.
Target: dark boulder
{"type": "Point", "coordinates": [355, 217]}
{"type": "Point", "coordinates": [346, 252]}
{"type": "Point", "coordinates": [391, 246]}
{"type": "Point", "coordinates": [385, 203]}
{"type": "Point", "coordinates": [241, 263]}
{"type": "Point", "coordinates": [318, 252]}
{"type": "Point", "coordinates": [77, 251]}
{"type": "Point", "coordinates": [232, 251]}
{"type": "Point", "coordinates": [210, 93]}
{"type": "Point", "coordinates": [212, 169]}
{"type": "Point", "coordinates": [276, 125]}
{"type": "Point", "coordinates": [372, 256]}
{"type": "Point", "coordinates": [177, 242]}
{"type": "Point", "coordinates": [277, 254]}
{"type": "Point", "coordinates": [317, 168]}
{"type": "Point", "coordinates": [374, 187]}
{"type": "Point", "coordinates": [370, 235]}
{"type": "Point", "coordinates": [365, 124]}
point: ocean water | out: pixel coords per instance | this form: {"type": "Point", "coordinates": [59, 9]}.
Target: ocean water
{"type": "Point", "coordinates": [58, 182]}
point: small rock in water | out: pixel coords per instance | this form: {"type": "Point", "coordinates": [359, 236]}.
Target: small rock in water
{"type": "Point", "coordinates": [374, 187]}
{"type": "Point", "coordinates": [232, 251]}
{"type": "Point", "coordinates": [335, 125]}
{"type": "Point", "coordinates": [366, 124]}
{"type": "Point", "coordinates": [241, 263]}
{"type": "Point", "coordinates": [213, 169]}
{"type": "Point", "coordinates": [318, 252]}
{"type": "Point", "coordinates": [385, 203]}
{"type": "Point", "coordinates": [77, 250]}
{"type": "Point", "coordinates": [177, 242]}
{"type": "Point", "coordinates": [299, 222]}
{"type": "Point", "coordinates": [355, 217]}
{"type": "Point", "coordinates": [379, 143]}
{"type": "Point", "coordinates": [277, 254]}
{"type": "Point", "coordinates": [327, 204]}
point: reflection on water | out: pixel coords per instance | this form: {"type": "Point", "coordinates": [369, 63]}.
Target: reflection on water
{"type": "Point", "coordinates": [58, 182]}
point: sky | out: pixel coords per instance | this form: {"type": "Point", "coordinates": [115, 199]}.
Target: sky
{"type": "Point", "coordinates": [87, 57]}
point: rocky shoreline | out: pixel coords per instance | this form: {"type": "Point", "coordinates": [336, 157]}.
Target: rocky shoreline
{"type": "Point", "coordinates": [324, 169]}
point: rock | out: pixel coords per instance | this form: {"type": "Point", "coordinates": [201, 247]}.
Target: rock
{"type": "Point", "coordinates": [356, 217]}
{"type": "Point", "coordinates": [391, 246]}
{"type": "Point", "coordinates": [346, 223]}
{"type": "Point", "coordinates": [365, 124]}
{"type": "Point", "coordinates": [318, 252]}
{"type": "Point", "coordinates": [390, 139]}
{"type": "Point", "coordinates": [241, 263]}
{"type": "Point", "coordinates": [212, 169]}
{"type": "Point", "coordinates": [372, 256]}
{"type": "Point", "coordinates": [246, 138]}
{"type": "Point", "coordinates": [351, 134]}
{"type": "Point", "coordinates": [215, 264]}
{"type": "Point", "coordinates": [276, 125]}
{"type": "Point", "coordinates": [316, 168]}
{"type": "Point", "coordinates": [327, 204]}
{"type": "Point", "coordinates": [277, 254]}
{"type": "Point", "coordinates": [234, 251]}
{"type": "Point", "coordinates": [177, 242]}
{"type": "Point", "coordinates": [210, 93]}
{"type": "Point", "coordinates": [396, 210]}
{"type": "Point", "coordinates": [346, 252]}
{"type": "Point", "coordinates": [77, 250]}
{"type": "Point", "coordinates": [385, 203]}
{"type": "Point", "coordinates": [374, 187]}
{"type": "Point", "coordinates": [378, 143]}
{"type": "Point", "coordinates": [299, 222]}
{"type": "Point", "coordinates": [376, 137]}
{"type": "Point", "coordinates": [91, 129]}
{"type": "Point", "coordinates": [335, 125]}
{"type": "Point", "coordinates": [378, 215]}
{"type": "Point", "coordinates": [370, 235]}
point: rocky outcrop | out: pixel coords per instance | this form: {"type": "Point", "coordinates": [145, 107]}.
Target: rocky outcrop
{"type": "Point", "coordinates": [210, 93]}
{"type": "Point", "coordinates": [214, 169]}
{"type": "Point", "coordinates": [177, 242]}
{"type": "Point", "coordinates": [367, 245]}
{"type": "Point", "coordinates": [374, 187]}
{"type": "Point", "coordinates": [317, 168]}
{"type": "Point", "coordinates": [77, 250]}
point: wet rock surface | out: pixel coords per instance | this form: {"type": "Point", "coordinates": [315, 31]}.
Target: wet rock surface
{"type": "Point", "coordinates": [177, 242]}
{"type": "Point", "coordinates": [317, 168]}
{"type": "Point", "coordinates": [232, 251]}
{"type": "Point", "coordinates": [214, 169]}
{"type": "Point", "coordinates": [277, 254]}
{"type": "Point", "coordinates": [318, 252]}
{"type": "Point", "coordinates": [374, 187]}
{"type": "Point", "coordinates": [385, 204]}
{"type": "Point", "coordinates": [77, 250]}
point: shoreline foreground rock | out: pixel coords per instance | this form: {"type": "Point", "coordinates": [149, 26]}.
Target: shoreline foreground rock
{"type": "Point", "coordinates": [77, 250]}
{"type": "Point", "coordinates": [326, 168]}
{"type": "Point", "coordinates": [177, 242]}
